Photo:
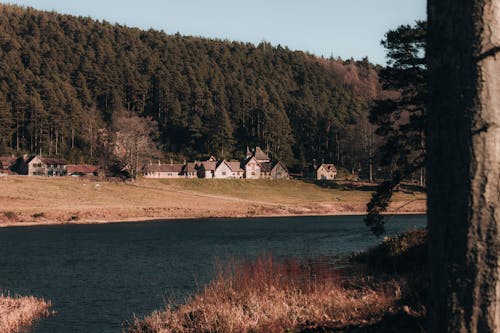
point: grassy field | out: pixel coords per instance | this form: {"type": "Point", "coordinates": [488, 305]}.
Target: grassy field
{"type": "Point", "coordinates": [66, 199]}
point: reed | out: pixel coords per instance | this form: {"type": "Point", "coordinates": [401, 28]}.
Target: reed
{"type": "Point", "coordinates": [17, 313]}
{"type": "Point", "coordinates": [269, 296]}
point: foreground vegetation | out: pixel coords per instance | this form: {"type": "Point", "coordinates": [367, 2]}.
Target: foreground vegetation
{"type": "Point", "coordinates": [73, 200]}
{"type": "Point", "coordinates": [384, 294]}
{"type": "Point", "coordinates": [17, 313]}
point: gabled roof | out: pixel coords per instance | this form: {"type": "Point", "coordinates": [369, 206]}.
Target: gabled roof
{"type": "Point", "coordinates": [282, 164]}
{"type": "Point", "coordinates": [260, 155]}
{"type": "Point", "coordinates": [247, 160]}
{"type": "Point", "coordinates": [234, 166]}
{"type": "Point", "coordinates": [48, 160]}
{"type": "Point", "coordinates": [209, 165]}
{"type": "Point", "coordinates": [328, 167]}
{"type": "Point", "coordinates": [164, 168]}
{"type": "Point", "coordinates": [190, 167]}
{"type": "Point", "coordinates": [81, 168]}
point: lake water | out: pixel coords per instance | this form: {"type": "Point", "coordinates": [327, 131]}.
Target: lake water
{"type": "Point", "coordinates": [98, 276]}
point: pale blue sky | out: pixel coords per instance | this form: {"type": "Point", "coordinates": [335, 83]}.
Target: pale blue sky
{"type": "Point", "coordinates": [345, 28]}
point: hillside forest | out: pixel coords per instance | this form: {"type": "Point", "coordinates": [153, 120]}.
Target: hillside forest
{"type": "Point", "coordinates": [70, 85]}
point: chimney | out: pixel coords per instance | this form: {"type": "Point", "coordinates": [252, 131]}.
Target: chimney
{"type": "Point", "coordinates": [159, 162]}
{"type": "Point", "coordinates": [171, 162]}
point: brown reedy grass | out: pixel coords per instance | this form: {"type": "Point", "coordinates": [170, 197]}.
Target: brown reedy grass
{"type": "Point", "coordinates": [269, 296]}
{"type": "Point", "coordinates": [17, 313]}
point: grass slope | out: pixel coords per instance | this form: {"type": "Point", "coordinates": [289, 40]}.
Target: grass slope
{"type": "Point", "coordinates": [66, 199]}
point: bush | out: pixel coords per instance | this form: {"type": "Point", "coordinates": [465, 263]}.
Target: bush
{"type": "Point", "coordinates": [401, 253]}
{"type": "Point", "coordinates": [10, 215]}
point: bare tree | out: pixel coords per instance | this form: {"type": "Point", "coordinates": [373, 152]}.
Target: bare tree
{"type": "Point", "coordinates": [463, 142]}
{"type": "Point", "coordinates": [133, 140]}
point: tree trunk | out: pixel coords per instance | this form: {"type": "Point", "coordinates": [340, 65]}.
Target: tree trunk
{"type": "Point", "coordinates": [463, 145]}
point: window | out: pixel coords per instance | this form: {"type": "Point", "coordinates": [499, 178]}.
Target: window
{"type": "Point", "coordinates": [253, 173]}
{"type": "Point", "coordinates": [223, 173]}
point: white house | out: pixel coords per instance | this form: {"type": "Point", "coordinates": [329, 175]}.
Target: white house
{"type": "Point", "coordinates": [223, 171]}
{"type": "Point", "coordinates": [326, 172]}
{"type": "Point", "coordinates": [229, 170]}
{"type": "Point", "coordinates": [163, 170]}
{"type": "Point", "coordinates": [252, 169]}
{"type": "Point", "coordinates": [46, 166]}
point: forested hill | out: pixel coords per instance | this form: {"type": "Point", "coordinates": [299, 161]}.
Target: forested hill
{"type": "Point", "coordinates": [64, 78]}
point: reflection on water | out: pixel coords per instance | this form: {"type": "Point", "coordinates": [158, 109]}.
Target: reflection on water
{"type": "Point", "coordinates": [97, 276]}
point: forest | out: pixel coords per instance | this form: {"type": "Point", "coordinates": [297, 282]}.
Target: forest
{"type": "Point", "coordinates": [69, 84]}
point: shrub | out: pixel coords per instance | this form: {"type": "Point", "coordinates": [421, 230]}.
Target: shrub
{"type": "Point", "coordinates": [267, 296]}
{"type": "Point", "coordinates": [10, 215]}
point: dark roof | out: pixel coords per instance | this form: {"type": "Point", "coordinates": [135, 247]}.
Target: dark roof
{"type": "Point", "coordinates": [265, 167]}
{"type": "Point", "coordinates": [328, 167]}
{"type": "Point", "coordinates": [81, 168]}
{"type": "Point", "coordinates": [164, 168]}
{"type": "Point", "coordinates": [260, 155]}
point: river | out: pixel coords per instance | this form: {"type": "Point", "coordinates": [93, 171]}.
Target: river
{"type": "Point", "coordinates": [98, 276]}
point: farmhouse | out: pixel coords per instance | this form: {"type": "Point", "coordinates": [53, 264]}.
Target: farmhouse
{"type": "Point", "coordinates": [206, 169]}
{"type": "Point", "coordinates": [326, 172]}
{"type": "Point", "coordinates": [46, 166]}
{"type": "Point", "coordinates": [190, 170]}
{"type": "Point", "coordinates": [252, 168]}
{"type": "Point", "coordinates": [228, 170]}
{"type": "Point", "coordinates": [280, 171]}
{"type": "Point", "coordinates": [163, 170]}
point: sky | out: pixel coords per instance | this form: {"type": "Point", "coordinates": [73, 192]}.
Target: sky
{"type": "Point", "coordinates": [338, 28]}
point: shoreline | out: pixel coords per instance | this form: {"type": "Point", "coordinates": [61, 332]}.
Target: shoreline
{"type": "Point", "coordinates": [146, 219]}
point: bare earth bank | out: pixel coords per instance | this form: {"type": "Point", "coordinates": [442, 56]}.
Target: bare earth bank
{"type": "Point", "coordinates": [43, 200]}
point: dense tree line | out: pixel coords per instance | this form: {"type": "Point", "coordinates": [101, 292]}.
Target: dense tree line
{"type": "Point", "coordinates": [63, 79]}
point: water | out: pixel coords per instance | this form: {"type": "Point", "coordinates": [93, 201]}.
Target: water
{"type": "Point", "coordinates": [98, 276]}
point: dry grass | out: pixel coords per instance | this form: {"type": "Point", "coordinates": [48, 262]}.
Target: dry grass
{"type": "Point", "coordinates": [266, 296]}
{"type": "Point", "coordinates": [66, 199]}
{"type": "Point", "coordinates": [17, 313]}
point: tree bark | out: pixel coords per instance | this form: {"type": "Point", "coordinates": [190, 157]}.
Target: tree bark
{"type": "Point", "coordinates": [463, 145]}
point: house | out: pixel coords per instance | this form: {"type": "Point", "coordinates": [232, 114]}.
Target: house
{"type": "Point", "coordinates": [190, 170]}
{"type": "Point", "coordinates": [206, 169]}
{"type": "Point", "coordinates": [223, 171]}
{"type": "Point", "coordinates": [326, 172]}
{"type": "Point", "coordinates": [252, 168]}
{"type": "Point", "coordinates": [81, 170]}
{"type": "Point", "coordinates": [46, 166]}
{"type": "Point", "coordinates": [163, 170]}
{"type": "Point", "coordinates": [236, 171]}
{"type": "Point", "coordinates": [265, 170]}
{"type": "Point", "coordinates": [228, 170]}
{"type": "Point", "coordinates": [6, 163]}
{"type": "Point", "coordinates": [280, 171]}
